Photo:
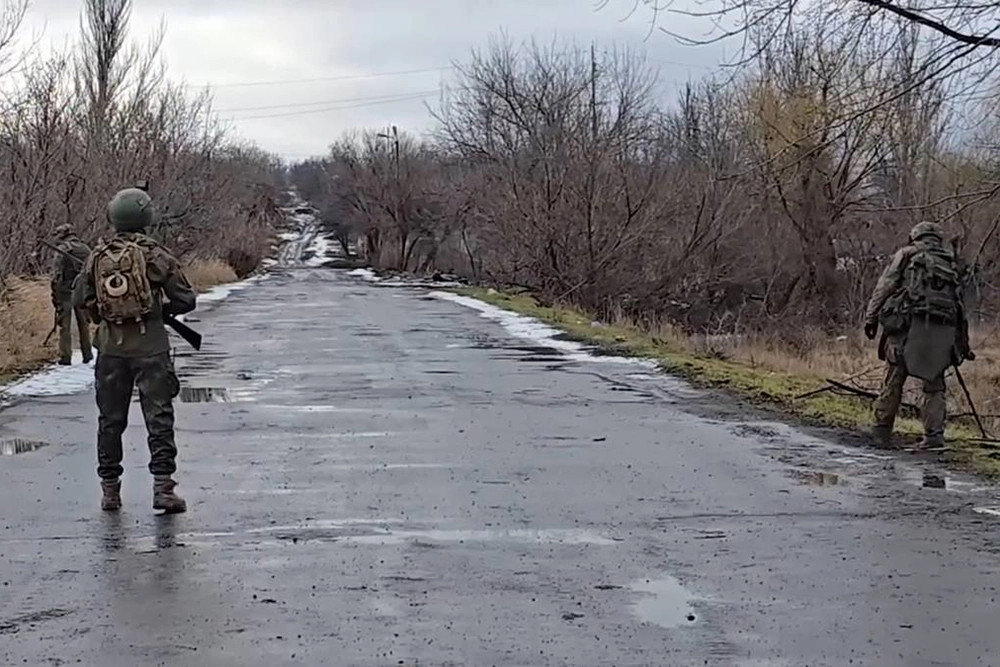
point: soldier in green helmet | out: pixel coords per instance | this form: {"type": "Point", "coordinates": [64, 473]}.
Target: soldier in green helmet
{"type": "Point", "coordinates": [918, 302]}
{"type": "Point", "coordinates": [129, 284]}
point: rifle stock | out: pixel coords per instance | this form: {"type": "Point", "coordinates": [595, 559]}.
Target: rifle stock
{"type": "Point", "coordinates": [184, 331]}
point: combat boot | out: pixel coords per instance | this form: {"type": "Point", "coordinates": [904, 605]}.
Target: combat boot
{"type": "Point", "coordinates": [932, 442]}
{"type": "Point", "coordinates": [111, 501]}
{"type": "Point", "coordinates": [164, 497]}
{"type": "Point", "coordinates": [882, 436]}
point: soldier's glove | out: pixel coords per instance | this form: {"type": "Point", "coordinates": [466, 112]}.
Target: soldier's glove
{"type": "Point", "coordinates": [871, 330]}
{"type": "Point", "coordinates": [970, 355]}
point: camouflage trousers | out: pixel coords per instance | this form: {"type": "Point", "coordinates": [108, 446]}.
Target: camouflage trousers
{"type": "Point", "coordinates": [933, 410]}
{"type": "Point", "coordinates": [158, 385]}
{"type": "Point", "coordinates": [66, 314]}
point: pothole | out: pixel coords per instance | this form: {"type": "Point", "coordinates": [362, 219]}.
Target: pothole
{"type": "Point", "coordinates": [203, 395]}
{"type": "Point", "coordinates": [19, 446]}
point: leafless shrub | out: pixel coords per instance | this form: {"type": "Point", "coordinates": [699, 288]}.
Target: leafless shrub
{"type": "Point", "coordinates": [81, 125]}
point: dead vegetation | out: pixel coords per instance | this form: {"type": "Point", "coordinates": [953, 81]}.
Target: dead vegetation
{"type": "Point", "coordinates": [752, 215]}
{"type": "Point", "coordinates": [26, 316]}
{"type": "Point", "coordinates": [80, 124]}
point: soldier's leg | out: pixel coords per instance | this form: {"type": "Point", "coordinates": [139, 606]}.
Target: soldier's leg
{"type": "Point", "coordinates": [158, 387]}
{"type": "Point", "coordinates": [83, 328]}
{"type": "Point", "coordinates": [113, 383]}
{"type": "Point", "coordinates": [65, 335]}
{"type": "Point", "coordinates": [887, 404]}
{"type": "Point", "coordinates": [934, 412]}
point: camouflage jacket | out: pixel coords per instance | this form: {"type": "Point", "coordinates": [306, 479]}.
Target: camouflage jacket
{"type": "Point", "coordinates": [172, 295]}
{"type": "Point", "coordinates": [65, 270]}
{"type": "Point", "coordinates": [891, 282]}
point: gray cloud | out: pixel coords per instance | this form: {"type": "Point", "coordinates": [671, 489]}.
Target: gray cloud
{"type": "Point", "coordinates": [227, 42]}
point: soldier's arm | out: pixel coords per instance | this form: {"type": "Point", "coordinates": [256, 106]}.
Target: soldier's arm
{"type": "Point", "coordinates": [84, 292]}
{"type": "Point", "coordinates": [180, 296]}
{"type": "Point", "coordinates": [888, 282]}
{"type": "Point", "coordinates": [56, 278]}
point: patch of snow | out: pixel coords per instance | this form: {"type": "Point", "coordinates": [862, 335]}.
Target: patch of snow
{"type": "Point", "coordinates": [320, 247]}
{"type": "Point", "coordinates": [221, 292]}
{"type": "Point", "coordinates": [529, 328]}
{"type": "Point", "coordinates": [992, 511]}
{"type": "Point", "coordinates": [365, 273]}
{"type": "Point", "coordinates": [55, 380]}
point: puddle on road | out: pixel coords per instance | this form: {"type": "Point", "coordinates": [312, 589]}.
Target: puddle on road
{"type": "Point", "coordinates": [555, 535]}
{"type": "Point", "coordinates": [203, 395]}
{"type": "Point", "coordinates": [666, 603]}
{"type": "Point", "coordinates": [815, 477]}
{"type": "Point", "coordinates": [20, 446]}
{"type": "Point", "coordinates": [934, 479]}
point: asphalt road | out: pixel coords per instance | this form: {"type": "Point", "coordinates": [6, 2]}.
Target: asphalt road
{"type": "Point", "coordinates": [377, 476]}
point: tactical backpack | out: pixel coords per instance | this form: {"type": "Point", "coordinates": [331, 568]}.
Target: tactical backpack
{"type": "Point", "coordinates": [123, 291]}
{"type": "Point", "coordinates": [932, 285]}
{"type": "Point", "coordinates": [77, 250]}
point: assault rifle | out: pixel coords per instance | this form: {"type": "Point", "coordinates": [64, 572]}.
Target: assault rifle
{"type": "Point", "coordinates": [183, 330]}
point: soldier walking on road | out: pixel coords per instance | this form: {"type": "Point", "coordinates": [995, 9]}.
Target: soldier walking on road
{"type": "Point", "coordinates": [918, 301]}
{"type": "Point", "coordinates": [64, 273]}
{"type": "Point", "coordinates": [129, 284]}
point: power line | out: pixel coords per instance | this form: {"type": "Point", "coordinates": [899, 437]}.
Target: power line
{"type": "Point", "coordinates": [400, 98]}
{"type": "Point", "coordinates": [346, 77]}
{"type": "Point", "coordinates": [313, 104]}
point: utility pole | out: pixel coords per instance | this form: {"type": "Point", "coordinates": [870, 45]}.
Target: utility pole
{"type": "Point", "coordinates": [392, 134]}
{"type": "Point", "coordinates": [593, 92]}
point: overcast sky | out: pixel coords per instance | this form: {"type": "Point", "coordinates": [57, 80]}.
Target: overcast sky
{"type": "Point", "coordinates": [390, 48]}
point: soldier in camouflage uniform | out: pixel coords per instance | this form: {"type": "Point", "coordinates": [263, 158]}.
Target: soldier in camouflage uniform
{"type": "Point", "coordinates": [64, 273]}
{"type": "Point", "coordinates": [904, 334]}
{"type": "Point", "coordinates": [137, 353]}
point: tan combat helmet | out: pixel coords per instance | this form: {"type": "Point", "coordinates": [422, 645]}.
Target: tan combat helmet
{"type": "Point", "coordinates": [922, 229]}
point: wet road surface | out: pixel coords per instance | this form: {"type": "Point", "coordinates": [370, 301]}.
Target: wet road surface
{"type": "Point", "coordinates": [377, 476]}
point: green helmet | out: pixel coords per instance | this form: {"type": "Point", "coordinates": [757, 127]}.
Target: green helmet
{"type": "Point", "coordinates": [62, 232]}
{"type": "Point", "coordinates": [922, 229]}
{"type": "Point", "coordinates": [131, 210]}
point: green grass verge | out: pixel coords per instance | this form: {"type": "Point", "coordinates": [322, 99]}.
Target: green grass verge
{"type": "Point", "coordinates": [765, 388]}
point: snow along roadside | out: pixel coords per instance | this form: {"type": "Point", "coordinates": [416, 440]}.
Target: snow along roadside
{"type": "Point", "coordinates": [56, 380]}
{"type": "Point", "coordinates": [536, 331]}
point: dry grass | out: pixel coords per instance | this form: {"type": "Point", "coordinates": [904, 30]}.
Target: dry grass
{"type": "Point", "coordinates": [26, 316]}
{"type": "Point", "coordinates": [205, 274]}
{"type": "Point", "coordinates": [772, 374]}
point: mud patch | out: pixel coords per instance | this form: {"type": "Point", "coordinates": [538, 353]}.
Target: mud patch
{"type": "Point", "coordinates": [20, 446]}
{"type": "Point", "coordinates": [13, 625]}
{"type": "Point", "coordinates": [815, 477]}
{"type": "Point", "coordinates": [756, 431]}
{"type": "Point", "coordinates": [203, 395]}
{"type": "Point", "coordinates": [666, 603]}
